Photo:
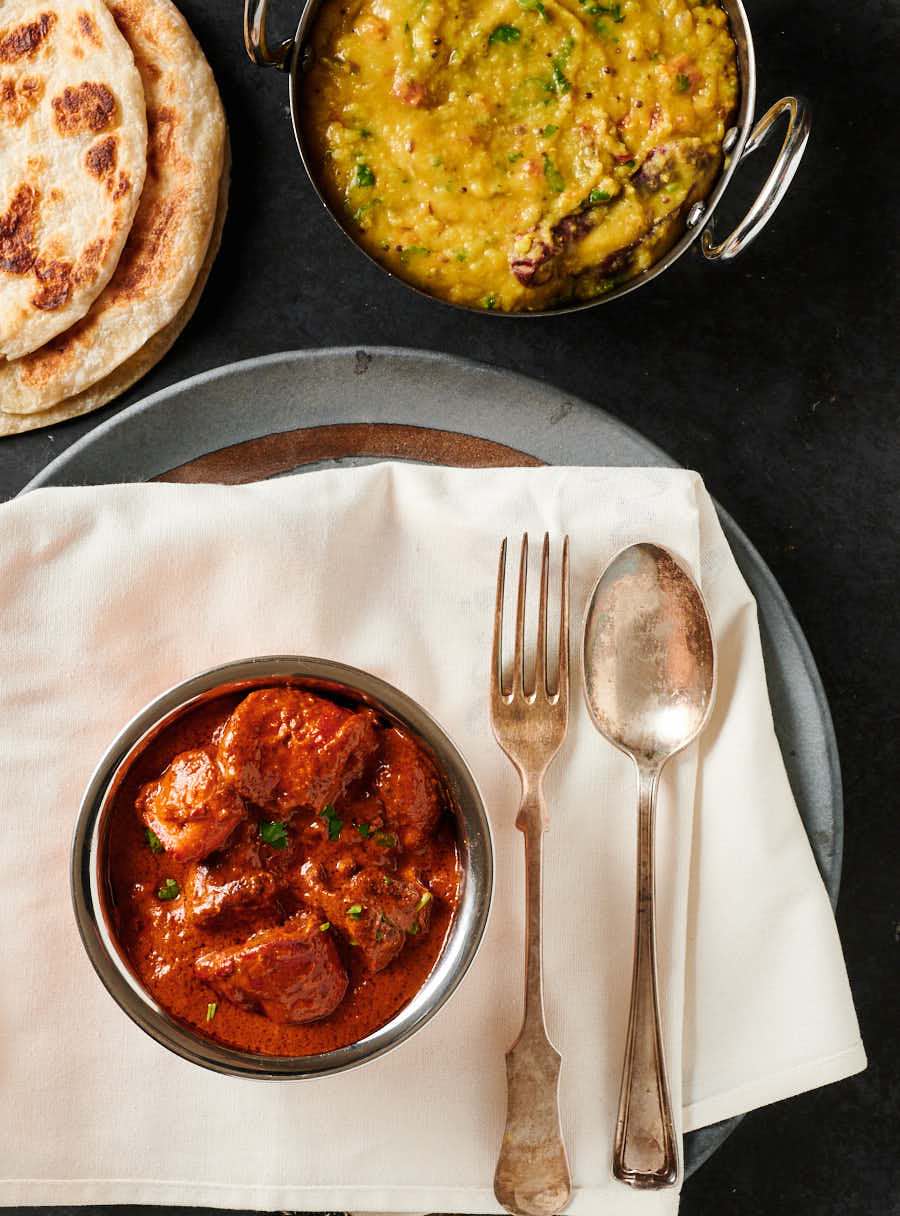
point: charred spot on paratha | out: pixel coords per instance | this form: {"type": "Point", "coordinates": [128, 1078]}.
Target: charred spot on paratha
{"type": "Point", "coordinates": [55, 283]}
{"type": "Point", "coordinates": [43, 366]}
{"type": "Point", "coordinates": [17, 100]}
{"type": "Point", "coordinates": [84, 107]}
{"type": "Point", "coordinates": [161, 126]}
{"type": "Point", "coordinates": [100, 159]}
{"type": "Point", "coordinates": [18, 241]}
{"type": "Point", "coordinates": [90, 256]}
{"type": "Point", "coordinates": [57, 276]}
{"type": "Point", "coordinates": [146, 249]}
{"type": "Point", "coordinates": [88, 28]}
{"type": "Point", "coordinates": [25, 40]}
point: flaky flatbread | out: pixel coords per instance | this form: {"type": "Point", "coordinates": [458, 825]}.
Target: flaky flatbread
{"type": "Point", "coordinates": [73, 150]}
{"type": "Point", "coordinates": [129, 372]}
{"type": "Point", "coordinates": [171, 231]}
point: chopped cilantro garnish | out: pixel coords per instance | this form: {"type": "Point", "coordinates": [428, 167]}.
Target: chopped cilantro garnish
{"type": "Point", "coordinates": [169, 889]}
{"type": "Point", "coordinates": [365, 133]}
{"type": "Point", "coordinates": [364, 830]}
{"type": "Point", "coordinates": [555, 179]}
{"type": "Point", "coordinates": [611, 10]}
{"type": "Point", "coordinates": [461, 255]}
{"type": "Point", "coordinates": [325, 926]}
{"type": "Point", "coordinates": [550, 129]}
{"type": "Point", "coordinates": [598, 196]}
{"type": "Point", "coordinates": [489, 301]}
{"type": "Point", "coordinates": [355, 911]}
{"type": "Point", "coordinates": [334, 824]}
{"type": "Point", "coordinates": [153, 841]}
{"type": "Point", "coordinates": [534, 6]}
{"type": "Point", "coordinates": [682, 82]}
{"type": "Point", "coordinates": [558, 82]}
{"type": "Point", "coordinates": [211, 1010]}
{"type": "Point", "coordinates": [386, 840]}
{"type": "Point", "coordinates": [514, 156]}
{"type": "Point", "coordinates": [364, 175]}
{"type": "Point", "coordinates": [362, 212]}
{"type": "Point", "coordinates": [505, 33]}
{"type": "Point", "coordinates": [274, 833]}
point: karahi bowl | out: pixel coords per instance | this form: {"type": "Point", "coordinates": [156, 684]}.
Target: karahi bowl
{"type": "Point", "coordinates": [94, 903]}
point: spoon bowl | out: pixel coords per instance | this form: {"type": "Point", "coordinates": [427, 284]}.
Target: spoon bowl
{"type": "Point", "coordinates": [648, 655]}
{"type": "Point", "coordinates": [649, 682]}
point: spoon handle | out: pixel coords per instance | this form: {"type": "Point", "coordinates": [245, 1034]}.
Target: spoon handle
{"type": "Point", "coordinates": [646, 1150]}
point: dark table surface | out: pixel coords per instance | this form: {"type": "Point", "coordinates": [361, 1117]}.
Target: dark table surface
{"type": "Point", "coordinates": [775, 378]}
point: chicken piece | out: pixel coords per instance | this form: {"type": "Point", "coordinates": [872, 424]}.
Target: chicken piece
{"type": "Point", "coordinates": [409, 789]}
{"type": "Point", "coordinates": [191, 807]}
{"type": "Point", "coordinates": [291, 974]}
{"type": "Point", "coordinates": [284, 749]}
{"type": "Point", "coordinates": [345, 838]}
{"type": "Point", "coordinates": [230, 884]}
{"type": "Point", "coordinates": [373, 910]}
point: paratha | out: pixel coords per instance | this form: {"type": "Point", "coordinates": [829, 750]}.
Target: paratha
{"type": "Point", "coordinates": [73, 153]}
{"type": "Point", "coordinates": [171, 231]}
{"type": "Point", "coordinates": [129, 372]}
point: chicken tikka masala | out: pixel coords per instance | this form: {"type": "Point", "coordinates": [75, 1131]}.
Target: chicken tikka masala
{"type": "Point", "coordinates": [283, 870]}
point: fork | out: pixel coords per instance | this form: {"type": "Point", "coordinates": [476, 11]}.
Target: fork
{"type": "Point", "coordinates": [532, 1176]}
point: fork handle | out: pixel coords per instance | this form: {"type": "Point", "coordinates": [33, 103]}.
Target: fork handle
{"type": "Point", "coordinates": [645, 1153]}
{"type": "Point", "coordinates": [532, 1176]}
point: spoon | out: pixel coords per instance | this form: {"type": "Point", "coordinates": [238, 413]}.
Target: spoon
{"type": "Point", "coordinates": [649, 679]}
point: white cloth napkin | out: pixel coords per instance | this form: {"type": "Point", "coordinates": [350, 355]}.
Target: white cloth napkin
{"type": "Point", "coordinates": [109, 595]}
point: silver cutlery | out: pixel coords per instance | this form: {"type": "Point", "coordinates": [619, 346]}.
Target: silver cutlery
{"type": "Point", "coordinates": [649, 679]}
{"type": "Point", "coordinates": [530, 720]}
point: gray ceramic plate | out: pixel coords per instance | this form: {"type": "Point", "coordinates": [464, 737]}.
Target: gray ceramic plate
{"type": "Point", "coordinates": [307, 409]}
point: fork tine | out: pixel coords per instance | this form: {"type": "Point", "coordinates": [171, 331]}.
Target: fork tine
{"type": "Point", "coordinates": [563, 683]}
{"type": "Point", "coordinates": [497, 649]}
{"type": "Point", "coordinates": [541, 682]}
{"type": "Point", "coordinates": [518, 683]}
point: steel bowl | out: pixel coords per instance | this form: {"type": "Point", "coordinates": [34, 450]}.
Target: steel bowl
{"type": "Point", "coordinates": [92, 897]}
{"type": "Point", "coordinates": [293, 56]}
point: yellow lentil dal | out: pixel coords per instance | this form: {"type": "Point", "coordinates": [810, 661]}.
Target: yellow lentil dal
{"type": "Point", "coordinates": [517, 154]}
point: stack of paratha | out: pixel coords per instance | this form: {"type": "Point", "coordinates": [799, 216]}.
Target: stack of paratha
{"type": "Point", "coordinates": [113, 189]}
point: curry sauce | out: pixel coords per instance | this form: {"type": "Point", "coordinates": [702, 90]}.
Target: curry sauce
{"type": "Point", "coordinates": [517, 154]}
{"type": "Point", "coordinates": [292, 888]}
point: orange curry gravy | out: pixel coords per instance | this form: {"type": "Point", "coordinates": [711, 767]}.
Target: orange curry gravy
{"type": "Point", "coordinates": [300, 875]}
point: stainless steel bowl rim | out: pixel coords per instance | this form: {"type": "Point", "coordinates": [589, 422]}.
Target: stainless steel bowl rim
{"type": "Point", "coordinates": [740, 141]}
{"type": "Point", "coordinates": [467, 929]}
